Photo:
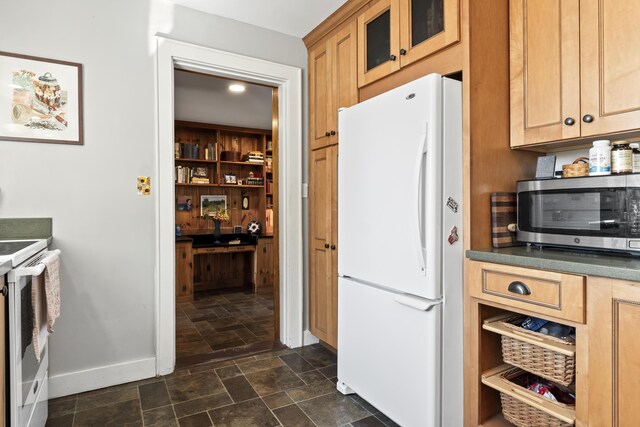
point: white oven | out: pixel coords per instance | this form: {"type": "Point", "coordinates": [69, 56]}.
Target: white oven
{"type": "Point", "coordinates": [28, 378]}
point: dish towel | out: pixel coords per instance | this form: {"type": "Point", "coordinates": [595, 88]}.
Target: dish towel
{"type": "Point", "coordinates": [52, 288]}
{"type": "Point", "coordinates": [46, 302]}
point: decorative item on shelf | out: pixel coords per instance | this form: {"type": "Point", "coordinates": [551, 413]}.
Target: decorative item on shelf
{"type": "Point", "coordinates": [230, 178]}
{"type": "Point", "coordinates": [256, 157]}
{"type": "Point", "coordinates": [269, 163]}
{"type": "Point", "coordinates": [503, 220]}
{"type": "Point", "coordinates": [245, 203]}
{"type": "Point", "coordinates": [218, 216]}
{"type": "Point", "coordinates": [579, 167]}
{"type": "Point", "coordinates": [546, 167]}
{"type": "Point", "coordinates": [240, 182]}
{"type": "Point", "coordinates": [269, 144]}
{"type": "Point", "coordinates": [254, 228]}
{"type": "Point", "coordinates": [230, 156]}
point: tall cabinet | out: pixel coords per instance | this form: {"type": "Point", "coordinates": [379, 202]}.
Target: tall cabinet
{"type": "Point", "coordinates": [332, 85]}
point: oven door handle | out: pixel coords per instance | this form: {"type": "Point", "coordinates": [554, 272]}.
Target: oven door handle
{"type": "Point", "coordinates": [35, 267]}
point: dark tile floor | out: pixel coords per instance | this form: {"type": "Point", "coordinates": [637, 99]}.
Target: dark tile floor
{"type": "Point", "coordinates": [218, 325]}
{"type": "Point", "coordinates": [229, 372]}
{"type": "Point", "coordinates": [275, 388]}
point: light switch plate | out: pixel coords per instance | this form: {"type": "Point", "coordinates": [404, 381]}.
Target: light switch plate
{"type": "Point", "coordinates": [305, 190]}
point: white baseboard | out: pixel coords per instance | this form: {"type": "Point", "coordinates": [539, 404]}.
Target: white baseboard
{"type": "Point", "coordinates": [308, 338]}
{"type": "Point", "coordinates": [104, 376]}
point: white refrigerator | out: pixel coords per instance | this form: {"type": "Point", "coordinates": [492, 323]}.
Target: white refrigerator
{"type": "Point", "coordinates": [400, 261]}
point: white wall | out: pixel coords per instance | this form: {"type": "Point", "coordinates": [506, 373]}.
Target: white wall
{"type": "Point", "coordinates": [105, 230]}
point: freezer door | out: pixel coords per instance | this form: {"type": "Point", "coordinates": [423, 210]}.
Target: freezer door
{"type": "Point", "coordinates": [389, 189]}
{"type": "Point", "coordinates": [389, 352]}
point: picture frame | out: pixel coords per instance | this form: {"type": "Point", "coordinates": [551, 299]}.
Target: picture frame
{"type": "Point", "coordinates": [212, 203]}
{"type": "Point", "coordinates": [44, 103]}
{"type": "Point", "coordinates": [185, 203]}
{"type": "Point", "coordinates": [230, 178]}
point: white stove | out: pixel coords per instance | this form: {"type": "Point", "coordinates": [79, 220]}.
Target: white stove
{"type": "Point", "coordinates": [18, 251]}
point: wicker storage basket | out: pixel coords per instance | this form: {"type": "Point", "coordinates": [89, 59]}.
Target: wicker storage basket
{"type": "Point", "coordinates": [579, 167]}
{"type": "Point", "coordinates": [544, 355]}
{"type": "Point", "coordinates": [523, 407]}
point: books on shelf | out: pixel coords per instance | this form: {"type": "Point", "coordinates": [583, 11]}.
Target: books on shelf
{"type": "Point", "coordinates": [269, 163]}
{"type": "Point", "coordinates": [191, 175]}
{"type": "Point", "coordinates": [254, 181]}
{"type": "Point", "coordinates": [183, 150]}
{"type": "Point", "coordinates": [253, 157]}
{"type": "Point", "coordinates": [269, 184]}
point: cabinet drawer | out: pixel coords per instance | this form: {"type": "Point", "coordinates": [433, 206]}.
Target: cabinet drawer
{"type": "Point", "coordinates": [544, 292]}
{"type": "Point", "coordinates": [241, 248]}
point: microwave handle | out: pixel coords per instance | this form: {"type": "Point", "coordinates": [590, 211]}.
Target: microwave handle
{"type": "Point", "coordinates": [38, 269]}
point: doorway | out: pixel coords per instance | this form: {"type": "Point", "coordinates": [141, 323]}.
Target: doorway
{"type": "Point", "coordinates": [225, 167]}
{"type": "Point", "coordinates": [172, 54]}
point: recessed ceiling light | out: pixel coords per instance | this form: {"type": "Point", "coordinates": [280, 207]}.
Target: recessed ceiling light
{"type": "Point", "coordinates": [236, 88]}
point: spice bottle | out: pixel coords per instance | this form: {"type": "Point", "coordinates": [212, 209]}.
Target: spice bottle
{"type": "Point", "coordinates": [636, 156]}
{"type": "Point", "coordinates": [600, 158]}
{"type": "Point", "coordinates": [621, 157]}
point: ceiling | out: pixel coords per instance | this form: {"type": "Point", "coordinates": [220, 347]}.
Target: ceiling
{"type": "Point", "coordinates": [206, 99]}
{"type": "Point", "coordinates": [293, 17]}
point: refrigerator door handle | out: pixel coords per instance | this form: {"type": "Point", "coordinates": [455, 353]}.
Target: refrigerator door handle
{"type": "Point", "coordinates": [417, 303]}
{"type": "Point", "coordinates": [418, 180]}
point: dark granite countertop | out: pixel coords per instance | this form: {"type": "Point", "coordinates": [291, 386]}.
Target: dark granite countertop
{"type": "Point", "coordinates": [624, 267]}
{"type": "Point", "coordinates": [208, 240]}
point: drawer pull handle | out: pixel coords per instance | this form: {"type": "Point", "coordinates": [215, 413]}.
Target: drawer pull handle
{"type": "Point", "coordinates": [519, 288]}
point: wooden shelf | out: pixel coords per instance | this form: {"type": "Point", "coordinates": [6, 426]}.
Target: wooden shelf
{"type": "Point", "coordinates": [241, 163]}
{"type": "Point", "coordinates": [241, 186]}
{"type": "Point", "coordinates": [180, 159]}
{"type": "Point", "coordinates": [181, 184]}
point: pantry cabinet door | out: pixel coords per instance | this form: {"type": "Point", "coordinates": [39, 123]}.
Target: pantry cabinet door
{"type": "Point", "coordinates": [345, 74]}
{"type": "Point", "coordinates": [614, 344]}
{"type": "Point", "coordinates": [610, 66]}
{"type": "Point", "coordinates": [545, 70]}
{"type": "Point", "coordinates": [322, 293]}
{"type": "Point", "coordinates": [320, 95]}
{"type": "Point", "coordinates": [427, 26]}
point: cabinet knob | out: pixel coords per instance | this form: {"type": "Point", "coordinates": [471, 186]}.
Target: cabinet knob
{"type": "Point", "coordinates": [588, 118]}
{"type": "Point", "coordinates": [333, 247]}
{"type": "Point", "coordinates": [392, 57]}
{"type": "Point", "coordinates": [327, 133]}
{"type": "Point", "coordinates": [333, 132]}
{"type": "Point", "coordinates": [403, 51]}
{"type": "Point", "coordinates": [326, 246]}
{"type": "Point", "coordinates": [519, 288]}
{"type": "Point", "coordinates": [569, 121]}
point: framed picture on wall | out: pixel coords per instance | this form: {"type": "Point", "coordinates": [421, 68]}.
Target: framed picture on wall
{"type": "Point", "coordinates": [210, 204]}
{"type": "Point", "coordinates": [43, 102]}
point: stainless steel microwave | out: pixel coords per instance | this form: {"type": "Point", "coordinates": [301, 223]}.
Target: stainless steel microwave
{"type": "Point", "coordinates": [600, 212]}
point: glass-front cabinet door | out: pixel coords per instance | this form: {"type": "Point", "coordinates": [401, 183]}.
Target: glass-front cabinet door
{"type": "Point", "coordinates": [378, 41]}
{"type": "Point", "coordinates": [426, 27]}
{"type": "Point", "coordinates": [395, 33]}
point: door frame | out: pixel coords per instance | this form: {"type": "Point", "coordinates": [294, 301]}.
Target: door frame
{"type": "Point", "coordinates": [288, 80]}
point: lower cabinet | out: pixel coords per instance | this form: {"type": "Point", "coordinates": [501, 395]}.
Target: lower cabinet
{"type": "Point", "coordinates": [264, 263]}
{"type": "Point", "coordinates": [184, 272]}
{"type": "Point", "coordinates": [323, 230]}
{"type": "Point", "coordinates": [614, 345]}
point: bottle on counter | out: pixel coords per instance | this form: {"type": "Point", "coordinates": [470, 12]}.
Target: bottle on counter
{"type": "Point", "coordinates": [635, 156]}
{"type": "Point", "coordinates": [600, 158]}
{"type": "Point", "coordinates": [621, 157]}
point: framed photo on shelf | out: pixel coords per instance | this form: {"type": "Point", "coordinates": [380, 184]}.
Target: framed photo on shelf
{"type": "Point", "coordinates": [209, 204]}
{"type": "Point", "coordinates": [43, 100]}
{"type": "Point", "coordinates": [230, 178]}
{"type": "Point", "coordinates": [185, 203]}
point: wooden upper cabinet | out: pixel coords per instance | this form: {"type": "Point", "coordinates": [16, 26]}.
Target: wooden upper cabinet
{"type": "Point", "coordinates": [395, 33]}
{"type": "Point", "coordinates": [545, 65]}
{"type": "Point", "coordinates": [610, 65]}
{"type": "Point", "coordinates": [332, 84]}
{"type": "Point", "coordinates": [574, 69]}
